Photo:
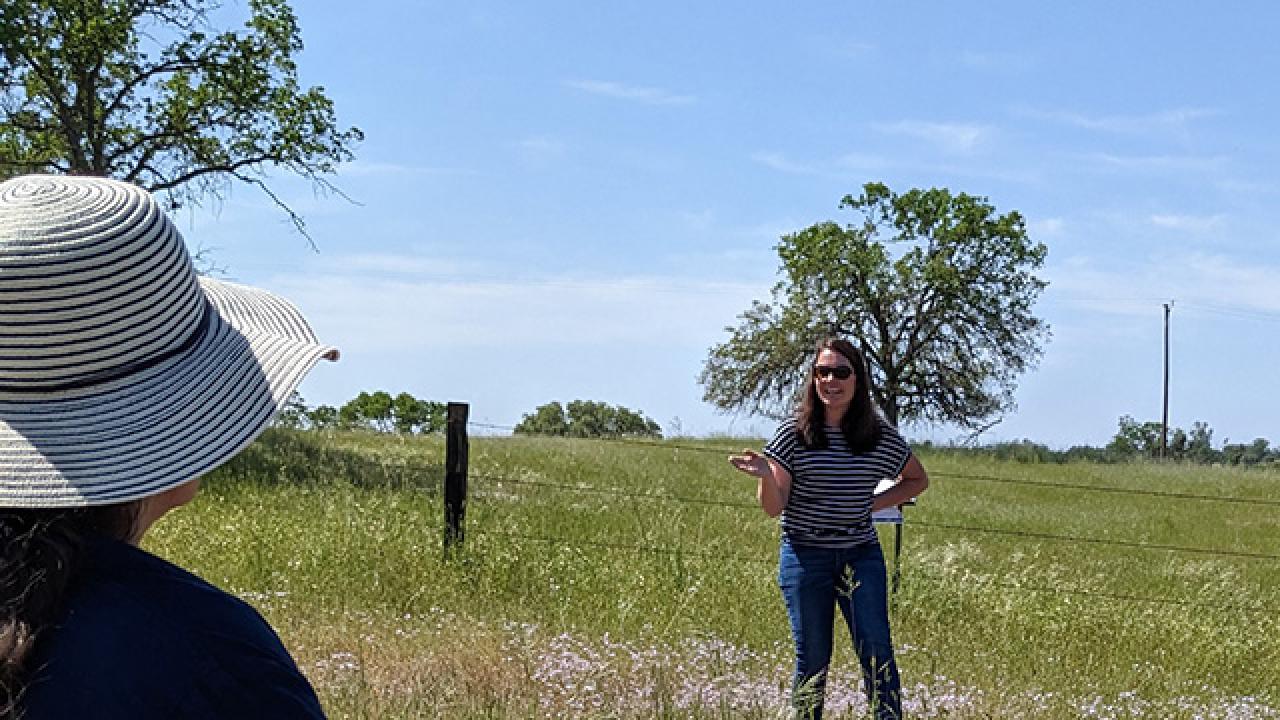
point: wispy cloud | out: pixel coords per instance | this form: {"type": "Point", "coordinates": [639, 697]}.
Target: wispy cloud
{"type": "Point", "coordinates": [633, 93]}
{"type": "Point", "coordinates": [862, 161]}
{"type": "Point", "coordinates": [1051, 227]}
{"type": "Point", "coordinates": [699, 221]}
{"type": "Point", "coordinates": [997, 61]}
{"type": "Point", "coordinates": [835, 46]}
{"type": "Point", "coordinates": [1193, 278]}
{"type": "Point", "coordinates": [362, 168]}
{"type": "Point", "coordinates": [541, 150]}
{"type": "Point", "coordinates": [1157, 163]}
{"type": "Point", "coordinates": [391, 264]}
{"type": "Point", "coordinates": [1247, 187]}
{"type": "Point", "coordinates": [385, 303]}
{"type": "Point", "coordinates": [780, 162]}
{"type": "Point", "coordinates": [1175, 121]}
{"type": "Point", "coordinates": [949, 137]}
{"type": "Point", "coordinates": [854, 167]}
{"type": "Point", "coordinates": [1189, 223]}
{"type": "Point", "coordinates": [541, 144]}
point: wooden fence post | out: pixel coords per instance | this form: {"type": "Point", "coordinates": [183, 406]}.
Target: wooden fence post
{"type": "Point", "coordinates": [455, 473]}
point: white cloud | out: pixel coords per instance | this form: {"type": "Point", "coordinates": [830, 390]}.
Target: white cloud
{"type": "Point", "coordinates": [1158, 163]}
{"type": "Point", "coordinates": [855, 167]}
{"type": "Point", "coordinates": [700, 221]}
{"type": "Point", "coordinates": [361, 168]}
{"type": "Point", "coordinates": [1201, 279]}
{"type": "Point", "coordinates": [540, 148]}
{"type": "Point", "coordinates": [1189, 223]}
{"type": "Point", "coordinates": [1046, 226]}
{"type": "Point", "coordinates": [949, 137]}
{"type": "Point", "coordinates": [634, 93]}
{"type": "Point", "coordinates": [782, 163]}
{"type": "Point", "coordinates": [997, 61]}
{"type": "Point", "coordinates": [862, 161]}
{"type": "Point", "coordinates": [1176, 121]}
{"type": "Point", "coordinates": [1246, 187]}
{"type": "Point", "coordinates": [392, 264]}
{"type": "Point", "coordinates": [843, 47]}
{"type": "Point", "coordinates": [384, 304]}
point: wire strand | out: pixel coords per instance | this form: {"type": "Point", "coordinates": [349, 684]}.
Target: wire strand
{"type": "Point", "coordinates": [1099, 541]}
{"type": "Point", "coordinates": [917, 523]}
{"type": "Point", "coordinates": [648, 549]}
{"type": "Point", "coordinates": [1107, 489]}
{"type": "Point", "coordinates": [1124, 597]}
{"type": "Point", "coordinates": [610, 491]}
{"type": "Point", "coordinates": [660, 444]}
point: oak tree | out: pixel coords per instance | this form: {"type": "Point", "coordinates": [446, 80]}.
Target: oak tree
{"type": "Point", "coordinates": [936, 289]}
{"type": "Point", "coordinates": [149, 92]}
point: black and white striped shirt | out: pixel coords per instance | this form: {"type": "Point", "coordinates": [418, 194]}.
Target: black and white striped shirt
{"type": "Point", "coordinates": [830, 500]}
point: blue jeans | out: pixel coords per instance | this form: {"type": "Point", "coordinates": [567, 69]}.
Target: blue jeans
{"type": "Point", "coordinates": [814, 582]}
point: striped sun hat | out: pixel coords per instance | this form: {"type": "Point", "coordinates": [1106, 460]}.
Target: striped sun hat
{"type": "Point", "coordinates": [122, 372]}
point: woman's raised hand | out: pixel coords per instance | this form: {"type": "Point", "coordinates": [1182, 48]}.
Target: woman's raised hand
{"type": "Point", "coordinates": [751, 463]}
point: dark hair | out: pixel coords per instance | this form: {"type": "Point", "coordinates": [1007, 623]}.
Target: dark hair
{"type": "Point", "coordinates": [861, 423]}
{"type": "Point", "coordinates": [41, 553]}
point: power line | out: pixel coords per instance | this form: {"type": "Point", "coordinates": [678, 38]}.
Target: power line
{"type": "Point", "coordinates": [1233, 312]}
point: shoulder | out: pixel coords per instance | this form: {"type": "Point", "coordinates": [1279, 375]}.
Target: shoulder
{"type": "Point", "coordinates": [889, 435]}
{"type": "Point", "coordinates": [784, 443]}
{"type": "Point", "coordinates": [789, 426]}
{"type": "Point", "coordinates": [192, 649]}
{"type": "Point", "coordinates": [787, 435]}
{"type": "Point", "coordinates": [892, 445]}
{"type": "Point", "coordinates": [134, 586]}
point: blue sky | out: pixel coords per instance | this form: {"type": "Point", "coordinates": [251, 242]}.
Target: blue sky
{"type": "Point", "coordinates": [564, 200]}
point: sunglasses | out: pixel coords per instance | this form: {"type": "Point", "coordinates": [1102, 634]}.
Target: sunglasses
{"type": "Point", "coordinates": [842, 372]}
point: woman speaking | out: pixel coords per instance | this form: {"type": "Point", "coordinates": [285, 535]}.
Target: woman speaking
{"type": "Point", "coordinates": [819, 473]}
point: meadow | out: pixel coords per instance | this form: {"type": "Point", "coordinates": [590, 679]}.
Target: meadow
{"type": "Point", "coordinates": [604, 579]}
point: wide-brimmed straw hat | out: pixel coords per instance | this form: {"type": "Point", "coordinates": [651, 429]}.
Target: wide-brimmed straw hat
{"type": "Point", "coordinates": [122, 372]}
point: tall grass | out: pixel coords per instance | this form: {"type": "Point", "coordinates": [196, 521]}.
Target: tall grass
{"type": "Point", "coordinates": [564, 602]}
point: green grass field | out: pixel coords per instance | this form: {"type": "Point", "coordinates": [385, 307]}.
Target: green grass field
{"type": "Point", "coordinates": [629, 580]}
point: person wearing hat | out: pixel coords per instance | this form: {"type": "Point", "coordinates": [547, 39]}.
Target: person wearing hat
{"type": "Point", "coordinates": [124, 377]}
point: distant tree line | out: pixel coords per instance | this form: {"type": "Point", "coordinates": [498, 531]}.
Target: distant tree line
{"type": "Point", "coordinates": [1136, 441]}
{"type": "Point", "coordinates": [587, 419]}
{"type": "Point", "coordinates": [377, 411]}
{"type": "Point", "coordinates": [403, 414]}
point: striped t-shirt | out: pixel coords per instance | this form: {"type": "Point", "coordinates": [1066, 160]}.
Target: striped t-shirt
{"type": "Point", "coordinates": [830, 500]}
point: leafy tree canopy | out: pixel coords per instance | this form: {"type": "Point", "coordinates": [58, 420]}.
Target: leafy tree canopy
{"type": "Point", "coordinates": [403, 414]}
{"type": "Point", "coordinates": [376, 411]}
{"type": "Point", "coordinates": [587, 419]}
{"type": "Point", "coordinates": [1135, 439]}
{"type": "Point", "coordinates": [146, 91]}
{"type": "Point", "coordinates": [936, 288]}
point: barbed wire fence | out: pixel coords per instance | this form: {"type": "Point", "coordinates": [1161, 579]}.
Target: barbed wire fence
{"type": "Point", "coordinates": [454, 536]}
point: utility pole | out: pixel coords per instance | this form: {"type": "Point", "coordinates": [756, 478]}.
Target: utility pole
{"type": "Point", "coordinates": [1164, 416]}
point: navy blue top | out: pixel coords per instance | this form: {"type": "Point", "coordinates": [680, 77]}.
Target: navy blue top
{"type": "Point", "coordinates": [142, 638]}
{"type": "Point", "coordinates": [832, 487]}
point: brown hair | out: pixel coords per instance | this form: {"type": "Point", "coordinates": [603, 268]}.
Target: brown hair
{"type": "Point", "coordinates": [41, 553]}
{"type": "Point", "coordinates": [861, 423]}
